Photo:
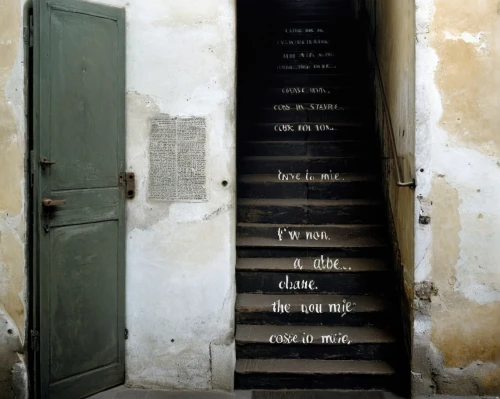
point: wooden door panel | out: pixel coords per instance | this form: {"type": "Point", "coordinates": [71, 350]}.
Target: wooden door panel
{"type": "Point", "coordinates": [83, 98]}
{"type": "Point", "coordinates": [86, 206]}
{"type": "Point", "coordinates": [79, 123]}
{"type": "Point", "coordinates": [84, 293]}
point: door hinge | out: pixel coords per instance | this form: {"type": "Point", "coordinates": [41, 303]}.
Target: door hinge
{"type": "Point", "coordinates": [127, 180]}
{"type": "Point", "coordinates": [126, 334]}
{"type": "Point", "coordinates": [28, 32]}
{"type": "Point", "coordinates": [32, 168]}
{"type": "Point", "coordinates": [35, 340]}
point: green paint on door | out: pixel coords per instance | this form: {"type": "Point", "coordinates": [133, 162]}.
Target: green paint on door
{"type": "Point", "coordinates": [79, 247]}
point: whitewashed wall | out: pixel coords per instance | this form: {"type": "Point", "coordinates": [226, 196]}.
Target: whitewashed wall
{"type": "Point", "coordinates": [180, 256]}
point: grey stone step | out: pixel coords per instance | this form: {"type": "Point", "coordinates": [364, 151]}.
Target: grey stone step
{"type": "Point", "coordinates": [364, 310]}
{"type": "Point", "coordinates": [253, 303]}
{"type": "Point", "coordinates": [352, 186]}
{"type": "Point", "coordinates": [305, 211]}
{"type": "Point", "coordinates": [309, 367]}
{"type": "Point", "coordinates": [252, 334]}
{"type": "Point", "coordinates": [310, 236]}
{"type": "Point", "coordinates": [325, 265]}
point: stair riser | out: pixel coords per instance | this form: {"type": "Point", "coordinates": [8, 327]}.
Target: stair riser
{"type": "Point", "coordinates": [379, 319]}
{"type": "Point", "coordinates": [312, 381]}
{"type": "Point", "coordinates": [291, 15]}
{"type": "Point", "coordinates": [301, 132]}
{"type": "Point", "coordinates": [304, 148]}
{"type": "Point", "coordinates": [333, 283]}
{"type": "Point", "coordinates": [275, 116]}
{"type": "Point", "coordinates": [375, 252]}
{"type": "Point", "coordinates": [311, 233]}
{"type": "Point", "coordinates": [345, 80]}
{"type": "Point", "coordinates": [277, 26]}
{"type": "Point", "coordinates": [342, 54]}
{"type": "Point", "coordinates": [323, 352]}
{"type": "Point", "coordinates": [310, 214]}
{"type": "Point", "coordinates": [299, 30]}
{"type": "Point", "coordinates": [275, 48]}
{"type": "Point", "coordinates": [313, 165]}
{"type": "Point", "coordinates": [248, 105]}
{"type": "Point", "coordinates": [283, 10]}
{"type": "Point", "coordinates": [342, 190]}
{"type": "Point", "coordinates": [285, 95]}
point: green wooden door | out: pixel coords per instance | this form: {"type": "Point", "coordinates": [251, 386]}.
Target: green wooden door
{"type": "Point", "coordinates": [79, 106]}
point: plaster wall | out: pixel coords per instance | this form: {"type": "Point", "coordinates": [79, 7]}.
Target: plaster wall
{"type": "Point", "coordinates": [180, 256]}
{"type": "Point", "coordinates": [13, 304]}
{"type": "Point", "coordinates": [456, 345]}
{"type": "Point", "coordinates": [391, 28]}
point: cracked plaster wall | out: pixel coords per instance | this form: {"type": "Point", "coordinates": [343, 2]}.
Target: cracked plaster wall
{"type": "Point", "coordinates": [457, 321]}
{"type": "Point", "coordinates": [12, 203]}
{"type": "Point", "coordinates": [180, 256]}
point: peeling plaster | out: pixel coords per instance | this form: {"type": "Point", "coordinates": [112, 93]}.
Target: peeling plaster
{"type": "Point", "coordinates": [457, 147]}
{"type": "Point", "coordinates": [180, 257]}
{"type": "Point", "coordinates": [12, 204]}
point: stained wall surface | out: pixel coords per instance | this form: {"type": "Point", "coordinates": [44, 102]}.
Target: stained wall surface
{"type": "Point", "coordinates": [13, 305]}
{"type": "Point", "coordinates": [180, 256]}
{"type": "Point", "coordinates": [391, 31]}
{"type": "Point", "coordinates": [457, 350]}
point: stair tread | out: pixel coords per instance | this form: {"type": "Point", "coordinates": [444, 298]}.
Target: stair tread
{"type": "Point", "coordinates": [313, 142]}
{"type": "Point", "coordinates": [269, 242]}
{"type": "Point", "coordinates": [263, 302]}
{"type": "Point", "coordinates": [273, 178]}
{"type": "Point", "coordinates": [307, 202]}
{"type": "Point", "coordinates": [326, 122]}
{"type": "Point", "coordinates": [308, 366]}
{"type": "Point", "coordinates": [346, 265]}
{"type": "Point", "coordinates": [261, 333]}
{"type": "Point", "coordinates": [298, 157]}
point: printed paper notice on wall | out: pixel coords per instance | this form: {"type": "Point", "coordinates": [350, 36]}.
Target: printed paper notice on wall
{"type": "Point", "coordinates": [177, 159]}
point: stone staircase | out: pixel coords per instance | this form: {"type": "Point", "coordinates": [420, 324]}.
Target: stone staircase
{"type": "Point", "coordinates": [316, 305]}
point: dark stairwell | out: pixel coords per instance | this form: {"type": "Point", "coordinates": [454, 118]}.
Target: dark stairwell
{"type": "Point", "coordinates": [317, 305]}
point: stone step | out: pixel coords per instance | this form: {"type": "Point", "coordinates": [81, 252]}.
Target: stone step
{"type": "Point", "coordinates": [364, 310]}
{"type": "Point", "coordinates": [284, 113]}
{"type": "Point", "coordinates": [297, 283]}
{"type": "Point", "coordinates": [314, 374]}
{"type": "Point", "coordinates": [352, 186]}
{"type": "Point", "coordinates": [305, 211]}
{"type": "Point", "coordinates": [262, 309]}
{"type": "Point", "coordinates": [252, 334]}
{"type": "Point", "coordinates": [310, 236]}
{"type": "Point", "coordinates": [338, 28]}
{"type": "Point", "coordinates": [309, 148]}
{"type": "Point", "coordinates": [340, 80]}
{"type": "Point", "coordinates": [320, 264]}
{"type": "Point", "coordinates": [295, 167]}
{"type": "Point", "coordinates": [348, 97]}
{"type": "Point", "coordinates": [300, 131]}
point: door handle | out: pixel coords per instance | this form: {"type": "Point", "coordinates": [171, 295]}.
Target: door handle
{"type": "Point", "coordinates": [46, 162]}
{"type": "Point", "coordinates": [47, 202]}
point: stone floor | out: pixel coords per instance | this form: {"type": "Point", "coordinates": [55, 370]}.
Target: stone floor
{"type": "Point", "coordinates": [127, 393]}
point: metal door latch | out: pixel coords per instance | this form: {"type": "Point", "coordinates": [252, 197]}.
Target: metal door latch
{"type": "Point", "coordinates": [46, 162]}
{"type": "Point", "coordinates": [48, 203]}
